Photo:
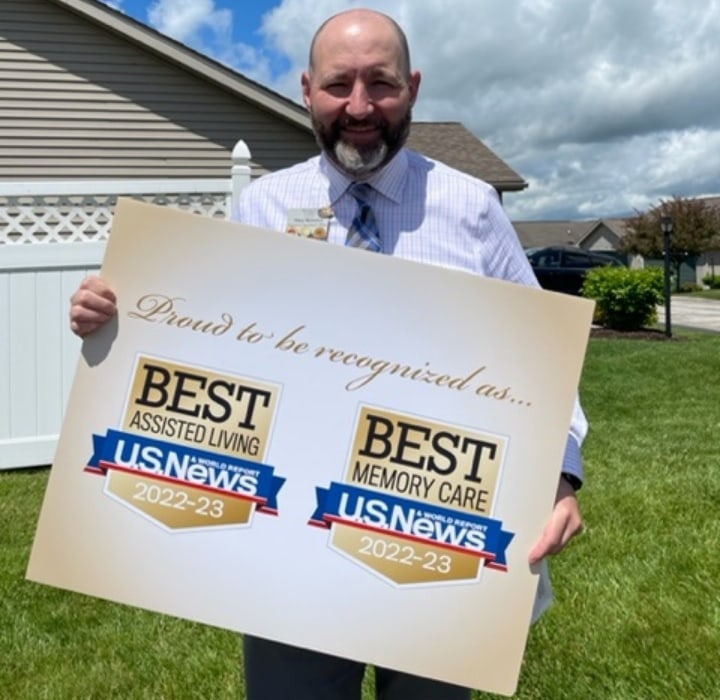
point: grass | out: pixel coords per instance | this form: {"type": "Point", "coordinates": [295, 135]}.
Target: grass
{"type": "Point", "coordinates": [637, 615]}
{"type": "Point", "coordinates": [56, 645]}
{"type": "Point", "coordinates": [638, 611]}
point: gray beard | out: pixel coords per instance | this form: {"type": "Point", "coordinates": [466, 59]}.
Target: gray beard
{"type": "Point", "coordinates": [357, 161]}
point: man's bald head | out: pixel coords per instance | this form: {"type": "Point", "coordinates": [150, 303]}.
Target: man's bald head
{"type": "Point", "coordinates": [340, 22]}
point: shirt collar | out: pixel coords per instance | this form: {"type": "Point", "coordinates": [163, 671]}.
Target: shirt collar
{"type": "Point", "coordinates": [389, 181]}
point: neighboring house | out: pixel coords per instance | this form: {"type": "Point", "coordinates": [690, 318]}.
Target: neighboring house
{"type": "Point", "coordinates": [90, 93]}
{"type": "Point", "coordinates": [709, 263]}
{"type": "Point", "coordinates": [604, 235]}
{"type": "Point", "coordinates": [599, 235]}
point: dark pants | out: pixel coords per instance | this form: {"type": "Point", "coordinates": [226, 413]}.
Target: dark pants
{"type": "Point", "coordinates": [279, 672]}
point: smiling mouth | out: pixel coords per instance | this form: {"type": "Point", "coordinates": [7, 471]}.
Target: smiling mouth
{"type": "Point", "coordinates": [361, 132]}
{"type": "Point", "coordinates": [350, 124]}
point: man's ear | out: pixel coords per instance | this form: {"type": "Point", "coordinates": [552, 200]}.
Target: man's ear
{"type": "Point", "coordinates": [305, 84]}
{"type": "Point", "coordinates": [414, 86]}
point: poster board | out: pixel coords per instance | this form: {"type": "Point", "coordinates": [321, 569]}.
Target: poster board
{"type": "Point", "coordinates": [275, 431]}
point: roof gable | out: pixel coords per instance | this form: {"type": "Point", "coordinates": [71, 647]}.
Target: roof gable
{"type": "Point", "coordinates": [191, 60]}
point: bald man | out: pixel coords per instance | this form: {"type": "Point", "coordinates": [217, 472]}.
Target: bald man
{"type": "Point", "coordinates": [359, 89]}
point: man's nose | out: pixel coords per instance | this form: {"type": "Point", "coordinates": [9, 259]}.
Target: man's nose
{"type": "Point", "coordinates": [360, 104]}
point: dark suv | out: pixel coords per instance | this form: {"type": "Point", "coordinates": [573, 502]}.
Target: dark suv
{"type": "Point", "coordinates": [562, 269]}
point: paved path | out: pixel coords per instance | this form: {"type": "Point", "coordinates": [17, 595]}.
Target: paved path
{"type": "Point", "coordinates": [691, 312]}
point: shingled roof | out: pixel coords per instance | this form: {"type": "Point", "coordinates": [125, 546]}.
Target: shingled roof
{"type": "Point", "coordinates": [453, 144]}
{"type": "Point", "coordinates": [538, 234]}
{"type": "Point", "coordinates": [534, 234]}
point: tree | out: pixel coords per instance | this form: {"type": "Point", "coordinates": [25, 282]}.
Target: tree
{"type": "Point", "coordinates": [696, 229]}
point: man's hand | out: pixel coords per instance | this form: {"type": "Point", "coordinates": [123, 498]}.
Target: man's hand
{"type": "Point", "coordinates": [92, 306]}
{"type": "Point", "coordinates": [565, 522]}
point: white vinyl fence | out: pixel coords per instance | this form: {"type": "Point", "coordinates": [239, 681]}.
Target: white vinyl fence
{"type": "Point", "coordinates": [52, 234]}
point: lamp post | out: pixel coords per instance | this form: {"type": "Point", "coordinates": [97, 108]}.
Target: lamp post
{"type": "Point", "coordinates": [666, 224]}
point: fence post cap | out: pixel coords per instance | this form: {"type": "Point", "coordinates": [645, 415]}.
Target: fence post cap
{"type": "Point", "coordinates": [240, 152]}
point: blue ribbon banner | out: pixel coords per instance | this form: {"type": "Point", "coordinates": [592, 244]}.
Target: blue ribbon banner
{"type": "Point", "coordinates": [383, 512]}
{"type": "Point", "coordinates": [188, 466]}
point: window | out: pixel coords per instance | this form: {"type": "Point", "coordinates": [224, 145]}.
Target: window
{"type": "Point", "coordinates": [573, 259]}
{"type": "Point", "coordinates": [546, 258]}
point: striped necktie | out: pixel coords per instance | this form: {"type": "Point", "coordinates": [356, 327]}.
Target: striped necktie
{"type": "Point", "coordinates": [363, 231]}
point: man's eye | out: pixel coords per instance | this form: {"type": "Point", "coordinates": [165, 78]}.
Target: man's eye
{"type": "Point", "coordinates": [338, 86]}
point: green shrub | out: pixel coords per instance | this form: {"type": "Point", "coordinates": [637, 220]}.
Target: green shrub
{"type": "Point", "coordinates": [626, 300]}
{"type": "Point", "coordinates": [712, 281]}
{"type": "Point", "coordinates": [688, 287]}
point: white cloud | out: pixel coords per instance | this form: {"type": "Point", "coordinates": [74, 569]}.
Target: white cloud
{"type": "Point", "coordinates": [208, 28]}
{"type": "Point", "coordinates": [185, 20]}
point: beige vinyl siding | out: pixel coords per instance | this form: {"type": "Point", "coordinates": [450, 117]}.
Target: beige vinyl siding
{"type": "Point", "coordinates": [76, 100]}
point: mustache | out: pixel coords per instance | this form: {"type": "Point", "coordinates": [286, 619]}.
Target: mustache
{"type": "Point", "coordinates": [374, 122]}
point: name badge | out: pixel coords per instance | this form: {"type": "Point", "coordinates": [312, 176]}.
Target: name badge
{"type": "Point", "coordinates": [309, 223]}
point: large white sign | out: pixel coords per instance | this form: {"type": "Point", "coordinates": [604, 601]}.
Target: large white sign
{"type": "Point", "coordinates": [339, 450]}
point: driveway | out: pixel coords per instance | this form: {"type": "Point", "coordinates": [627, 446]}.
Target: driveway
{"type": "Point", "coordinates": [691, 312]}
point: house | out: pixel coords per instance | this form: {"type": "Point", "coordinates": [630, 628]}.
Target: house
{"type": "Point", "coordinates": [604, 235]}
{"type": "Point", "coordinates": [708, 264]}
{"type": "Point", "coordinates": [91, 93]}
{"type": "Point", "coordinates": [600, 235]}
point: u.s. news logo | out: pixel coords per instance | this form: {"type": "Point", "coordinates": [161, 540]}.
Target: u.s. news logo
{"type": "Point", "coordinates": [414, 506]}
{"type": "Point", "coordinates": [191, 448]}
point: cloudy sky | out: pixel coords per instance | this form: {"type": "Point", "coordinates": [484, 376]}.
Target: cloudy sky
{"type": "Point", "coordinates": [603, 106]}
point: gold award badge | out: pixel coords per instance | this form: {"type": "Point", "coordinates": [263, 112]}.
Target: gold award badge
{"type": "Point", "coordinates": [191, 448]}
{"type": "Point", "coordinates": [415, 503]}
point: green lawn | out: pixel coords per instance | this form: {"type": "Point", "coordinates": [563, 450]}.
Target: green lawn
{"type": "Point", "coordinates": [638, 594]}
{"type": "Point", "coordinates": [637, 615]}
